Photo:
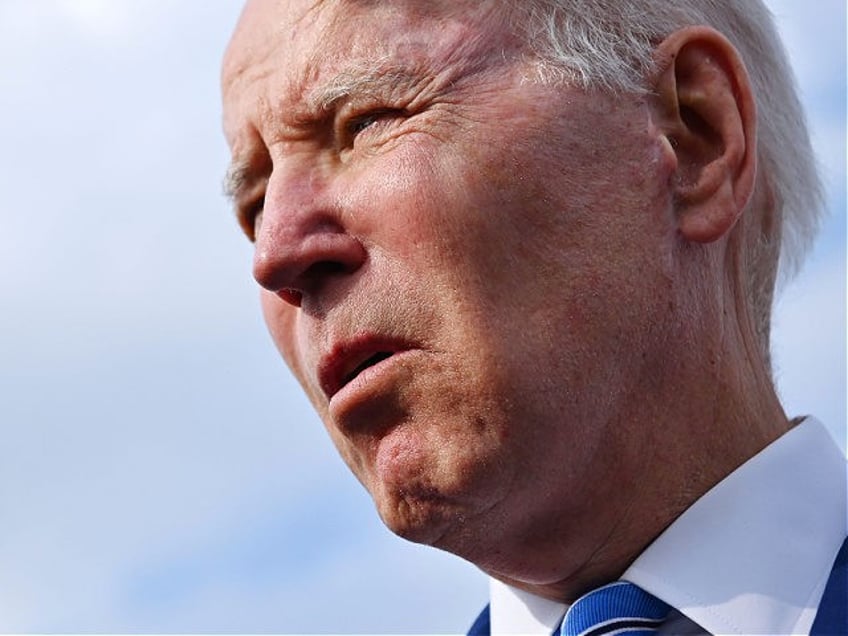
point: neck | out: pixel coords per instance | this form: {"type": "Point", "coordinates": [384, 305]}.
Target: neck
{"type": "Point", "coordinates": [712, 412]}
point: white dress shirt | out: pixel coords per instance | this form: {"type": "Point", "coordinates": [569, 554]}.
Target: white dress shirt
{"type": "Point", "coordinates": [752, 556]}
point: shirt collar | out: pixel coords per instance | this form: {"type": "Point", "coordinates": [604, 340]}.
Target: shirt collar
{"type": "Point", "coordinates": [753, 555]}
{"type": "Point", "coordinates": [514, 611]}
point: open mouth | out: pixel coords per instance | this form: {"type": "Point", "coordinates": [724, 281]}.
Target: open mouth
{"type": "Point", "coordinates": [346, 362]}
{"type": "Point", "coordinates": [368, 362]}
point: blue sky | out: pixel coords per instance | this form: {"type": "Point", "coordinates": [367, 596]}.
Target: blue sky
{"type": "Point", "coordinates": [160, 471]}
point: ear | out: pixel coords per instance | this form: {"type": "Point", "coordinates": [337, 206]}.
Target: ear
{"type": "Point", "coordinates": [706, 110]}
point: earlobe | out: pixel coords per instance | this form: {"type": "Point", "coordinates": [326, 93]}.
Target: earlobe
{"type": "Point", "coordinates": [704, 106]}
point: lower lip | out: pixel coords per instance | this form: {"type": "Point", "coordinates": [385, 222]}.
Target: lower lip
{"type": "Point", "coordinates": [367, 384]}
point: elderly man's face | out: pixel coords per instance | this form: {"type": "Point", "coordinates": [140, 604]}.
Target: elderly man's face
{"type": "Point", "coordinates": [466, 269]}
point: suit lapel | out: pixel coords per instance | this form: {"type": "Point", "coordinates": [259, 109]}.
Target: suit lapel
{"type": "Point", "coordinates": [832, 617]}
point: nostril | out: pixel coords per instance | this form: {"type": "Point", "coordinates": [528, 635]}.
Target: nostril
{"type": "Point", "coordinates": [324, 269]}
{"type": "Point", "coordinates": [297, 265]}
{"type": "Point", "coordinates": [291, 296]}
{"type": "Point", "coordinates": [314, 278]}
{"type": "Point", "coordinates": [310, 281]}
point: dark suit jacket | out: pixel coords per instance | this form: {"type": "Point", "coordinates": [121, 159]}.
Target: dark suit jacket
{"type": "Point", "coordinates": [831, 618]}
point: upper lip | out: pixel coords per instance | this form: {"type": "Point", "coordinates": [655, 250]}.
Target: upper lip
{"type": "Point", "coordinates": [347, 359]}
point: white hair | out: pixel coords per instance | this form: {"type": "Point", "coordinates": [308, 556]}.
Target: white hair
{"type": "Point", "coordinates": [608, 44]}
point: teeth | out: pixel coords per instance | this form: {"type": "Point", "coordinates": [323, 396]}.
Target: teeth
{"type": "Point", "coordinates": [370, 362]}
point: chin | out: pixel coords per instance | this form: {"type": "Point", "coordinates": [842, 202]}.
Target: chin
{"type": "Point", "coordinates": [419, 516]}
{"type": "Point", "coordinates": [428, 486]}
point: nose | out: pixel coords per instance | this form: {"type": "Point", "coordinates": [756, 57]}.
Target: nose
{"type": "Point", "coordinates": [302, 243]}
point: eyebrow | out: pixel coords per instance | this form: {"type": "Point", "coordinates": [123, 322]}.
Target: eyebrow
{"type": "Point", "coordinates": [379, 78]}
{"type": "Point", "coordinates": [349, 83]}
{"type": "Point", "coordinates": [235, 179]}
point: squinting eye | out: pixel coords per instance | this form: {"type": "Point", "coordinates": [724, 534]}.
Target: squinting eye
{"type": "Point", "coordinates": [363, 122]}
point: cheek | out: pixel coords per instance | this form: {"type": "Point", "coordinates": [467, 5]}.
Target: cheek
{"type": "Point", "coordinates": [397, 200]}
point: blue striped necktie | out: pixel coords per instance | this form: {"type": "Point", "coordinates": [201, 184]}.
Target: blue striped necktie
{"type": "Point", "coordinates": [617, 608]}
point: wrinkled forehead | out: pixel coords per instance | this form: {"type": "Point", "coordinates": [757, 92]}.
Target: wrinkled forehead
{"type": "Point", "coordinates": [266, 22]}
{"type": "Point", "coordinates": [287, 55]}
{"type": "Point", "coordinates": [271, 27]}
